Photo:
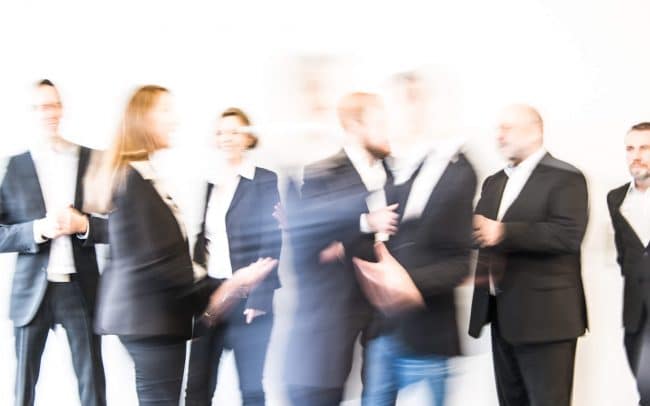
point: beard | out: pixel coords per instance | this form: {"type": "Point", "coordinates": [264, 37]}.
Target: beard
{"type": "Point", "coordinates": [378, 151]}
{"type": "Point", "coordinates": [640, 173]}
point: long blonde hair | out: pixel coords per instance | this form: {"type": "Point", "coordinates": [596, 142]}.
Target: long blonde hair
{"type": "Point", "coordinates": [134, 141]}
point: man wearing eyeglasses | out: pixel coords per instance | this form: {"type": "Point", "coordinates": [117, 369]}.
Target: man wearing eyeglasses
{"type": "Point", "coordinates": [56, 269]}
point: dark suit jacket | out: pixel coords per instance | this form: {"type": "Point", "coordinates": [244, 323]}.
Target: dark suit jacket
{"type": "Point", "coordinates": [331, 309]}
{"type": "Point", "coordinates": [252, 232]}
{"type": "Point", "coordinates": [435, 250]}
{"type": "Point", "coordinates": [542, 297]}
{"type": "Point", "coordinates": [634, 260]}
{"type": "Point", "coordinates": [21, 202]}
{"type": "Point", "coordinates": [333, 197]}
{"type": "Point", "coordinates": [144, 290]}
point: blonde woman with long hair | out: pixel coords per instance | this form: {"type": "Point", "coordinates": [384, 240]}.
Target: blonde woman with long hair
{"type": "Point", "coordinates": [145, 293]}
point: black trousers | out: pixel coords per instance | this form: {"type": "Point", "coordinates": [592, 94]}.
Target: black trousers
{"type": "Point", "coordinates": [311, 396]}
{"type": "Point", "coordinates": [62, 304]}
{"type": "Point", "coordinates": [637, 348]}
{"type": "Point", "coordinates": [539, 374]}
{"type": "Point", "coordinates": [159, 364]}
{"type": "Point", "coordinates": [249, 343]}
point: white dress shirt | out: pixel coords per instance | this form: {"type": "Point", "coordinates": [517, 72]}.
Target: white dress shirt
{"type": "Point", "coordinates": [432, 159]}
{"type": "Point", "coordinates": [216, 235]}
{"type": "Point", "coordinates": [373, 176]}
{"type": "Point", "coordinates": [57, 176]}
{"type": "Point", "coordinates": [517, 178]}
{"type": "Point", "coordinates": [636, 210]}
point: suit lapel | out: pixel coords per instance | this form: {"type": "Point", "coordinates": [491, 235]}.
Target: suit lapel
{"type": "Point", "coordinates": [620, 198]}
{"type": "Point", "coordinates": [497, 188]}
{"type": "Point", "coordinates": [27, 168]}
{"type": "Point", "coordinates": [242, 190]}
{"type": "Point", "coordinates": [535, 176]}
{"type": "Point", "coordinates": [84, 155]}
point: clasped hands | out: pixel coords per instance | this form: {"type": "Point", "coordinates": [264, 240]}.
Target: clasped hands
{"type": "Point", "coordinates": [66, 221]}
{"type": "Point", "coordinates": [487, 232]}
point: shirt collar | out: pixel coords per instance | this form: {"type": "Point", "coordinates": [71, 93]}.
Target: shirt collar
{"type": "Point", "coordinates": [406, 163]}
{"type": "Point", "coordinates": [145, 168]}
{"type": "Point", "coordinates": [632, 189]}
{"type": "Point", "coordinates": [359, 157]}
{"type": "Point", "coordinates": [246, 169]}
{"type": "Point", "coordinates": [528, 164]}
{"type": "Point", "coordinates": [47, 147]}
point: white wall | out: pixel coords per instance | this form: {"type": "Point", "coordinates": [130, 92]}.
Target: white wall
{"type": "Point", "coordinates": [583, 63]}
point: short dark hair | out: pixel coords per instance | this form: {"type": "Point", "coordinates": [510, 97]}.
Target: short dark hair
{"type": "Point", "coordinates": [45, 82]}
{"type": "Point", "coordinates": [644, 126]}
{"type": "Point", "coordinates": [243, 117]}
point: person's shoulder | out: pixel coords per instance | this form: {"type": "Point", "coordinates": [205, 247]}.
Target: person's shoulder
{"type": "Point", "coordinates": [265, 174]}
{"type": "Point", "coordinates": [551, 163]}
{"type": "Point", "coordinates": [462, 162]}
{"type": "Point", "coordinates": [617, 193]}
{"type": "Point", "coordinates": [327, 165]}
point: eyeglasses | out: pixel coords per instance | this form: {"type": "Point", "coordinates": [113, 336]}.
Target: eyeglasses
{"type": "Point", "coordinates": [47, 106]}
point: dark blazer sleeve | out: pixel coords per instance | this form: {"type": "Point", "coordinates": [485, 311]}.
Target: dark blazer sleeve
{"type": "Point", "coordinates": [270, 243]}
{"type": "Point", "coordinates": [620, 247]}
{"type": "Point", "coordinates": [453, 247]}
{"type": "Point", "coordinates": [14, 237]}
{"type": "Point", "coordinates": [97, 231]}
{"type": "Point", "coordinates": [562, 230]}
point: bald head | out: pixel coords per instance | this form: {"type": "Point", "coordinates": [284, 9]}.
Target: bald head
{"type": "Point", "coordinates": [520, 132]}
{"type": "Point", "coordinates": [363, 118]}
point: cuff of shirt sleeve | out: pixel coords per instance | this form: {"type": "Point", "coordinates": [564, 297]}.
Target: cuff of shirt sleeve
{"type": "Point", "coordinates": [37, 227]}
{"type": "Point", "coordinates": [199, 272]}
{"type": "Point", "coordinates": [363, 224]}
{"type": "Point", "coordinates": [84, 236]}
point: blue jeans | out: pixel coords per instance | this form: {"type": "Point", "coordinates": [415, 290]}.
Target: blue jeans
{"type": "Point", "coordinates": [389, 367]}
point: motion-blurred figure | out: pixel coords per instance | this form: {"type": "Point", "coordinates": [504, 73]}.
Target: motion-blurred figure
{"type": "Point", "coordinates": [414, 330]}
{"type": "Point", "coordinates": [238, 229]}
{"type": "Point", "coordinates": [629, 208]}
{"type": "Point", "coordinates": [56, 271]}
{"type": "Point", "coordinates": [529, 223]}
{"type": "Point", "coordinates": [147, 295]}
{"type": "Point", "coordinates": [341, 212]}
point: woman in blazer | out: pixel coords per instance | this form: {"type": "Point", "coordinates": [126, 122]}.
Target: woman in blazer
{"type": "Point", "coordinates": [238, 228]}
{"type": "Point", "coordinates": [144, 292]}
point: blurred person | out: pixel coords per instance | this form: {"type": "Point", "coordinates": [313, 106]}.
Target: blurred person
{"type": "Point", "coordinates": [628, 209]}
{"type": "Point", "coordinates": [147, 296]}
{"type": "Point", "coordinates": [238, 228]}
{"type": "Point", "coordinates": [342, 210]}
{"type": "Point", "coordinates": [56, 274]}
{"type": "Point", "coordinates": [529, 223]}
{"type": "Point", "coordinates": [414, 329]}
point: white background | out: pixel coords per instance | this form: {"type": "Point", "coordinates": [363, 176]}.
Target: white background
{"type": "Point", "coordinates": [584, 64]}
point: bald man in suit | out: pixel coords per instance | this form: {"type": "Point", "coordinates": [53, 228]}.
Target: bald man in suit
{"type": "Point", "coordinates": [529, 223]}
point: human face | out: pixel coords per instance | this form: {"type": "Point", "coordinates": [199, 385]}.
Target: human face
{"type": "Point", "coordinates": [162, 120]}
{"type": "Point", "coordinates": [230, 138]}
{"type": "Point", "coordinates": [375, 132]}
{"type": "Point", "coordinates": [518, 135]}
{"type": "Point", "coordinates": [48, 108]}
{"type": "Point", "coordinates": [637, 152]}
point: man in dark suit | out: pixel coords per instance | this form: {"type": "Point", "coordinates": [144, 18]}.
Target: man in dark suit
{"type": "Point", "coordinates": [529, 223]}
{"type": "Point", "coordinates": [341, 211]}
{"type": "Point", "coordinates": [411, 341]}
{"type": "Point", "coordinates": [414, 329]}
{"type": "Point", "coordinates": [56, 271]}
{"type": "Point", "coordinates": [628, 208]}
